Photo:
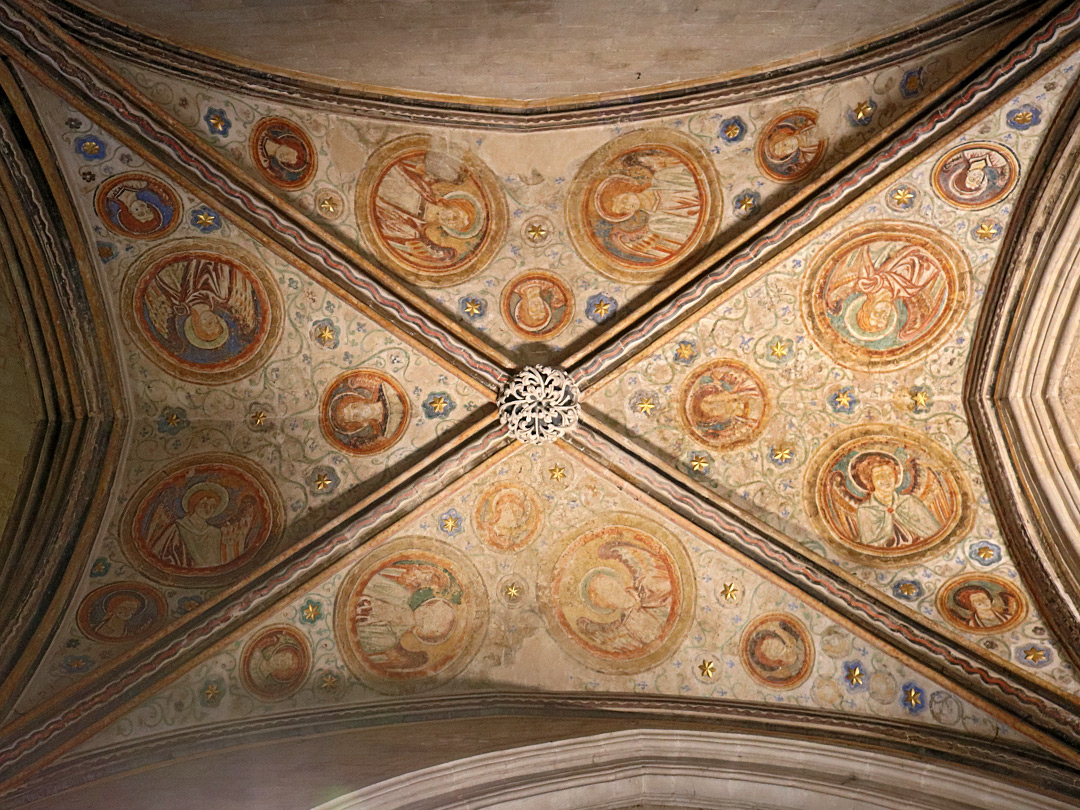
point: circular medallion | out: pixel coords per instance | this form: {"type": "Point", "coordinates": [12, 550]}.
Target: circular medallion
{"type": "Point", "coordinates": [410, 615]}
{"type": "Point", "coordinates": [508, 516]}
{"type": "Point", "coordinates": [364, 411]}
{"type": "Point", "coordinates": [885, 494]}
{"type": "Point", "coordinates": [978, 603]}
{"type": "Point", "coordinates": [137, 206]}
{"type": "Point", "coordinates": [976, 174]}
{"type": "Point", "coordinates": [202, 310]}
{"type": "Point", "coordinates": [882, 295]}
{"type": "Point", "coordinates": [539, 404]}
{"type": "Point", "coordinates": [724, 404]}
{"type": "Point", "coordinates": [642, 204]}
{"type": "Point", "coordinates": [537, 306]}
{"type": "Point", "coordinates": [789, 148]}
{"type": "Point", "coordinates": [777, 651]}
{"type": "Point", "coordinates": [435, 218]}
{"type": "Point", "coordinates": [283, 153]}
{"type": "Point", "coordinates": [620, 595]}
{"type": "Point", "coordinates": [122, 611]}
{"type": "Point", "coordinates": [203, 521]}
{"type": "Point", "coordinates": [275, 663]}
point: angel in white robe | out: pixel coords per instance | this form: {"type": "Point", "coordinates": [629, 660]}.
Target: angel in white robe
{"type": "Point", "coordinates": [197, 540]}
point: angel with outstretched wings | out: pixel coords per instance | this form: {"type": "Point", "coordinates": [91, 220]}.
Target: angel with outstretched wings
{"type": "Point", "coordinates": [640, 609]}
{"type": "Point", "coordinates": [199, 539]}
{"type": "Point", "coordinates": [867, 294]}
{"type": "Point", "coordinates": [192, 295]}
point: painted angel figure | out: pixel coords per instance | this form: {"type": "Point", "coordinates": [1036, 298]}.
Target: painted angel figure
{"type": "Point", "coordinates": [405, 611]}
{"type": "Point", "coordinates": [203, 301]}
{"type": "Point", "coordinates": [200, 539]}
{"type": "Point", "coordinates": [653, 206]}
{"type": "Point", "coordinates": [898, 298]}
{"type": "Point", "coordinates": [639, 612]}
{"type": "Point", "coordinates": [426, 208]}
{"type": "Point", "coordinates": [898, 510]}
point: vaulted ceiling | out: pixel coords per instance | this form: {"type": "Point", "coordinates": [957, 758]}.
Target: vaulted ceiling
{"type": "Point", "coordinates": [820, 316]}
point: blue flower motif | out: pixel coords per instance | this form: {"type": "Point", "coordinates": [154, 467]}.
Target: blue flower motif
{"type": "Point", "coordinates": [100, 567]}
{"type": "Point", "coordinates": [746, 203]}
{"type": "Point", "coordinates": [685, 352]}
{"type": "Point", "coordinates": [212, 692]}
{"type": "Point", "coordinates": [323, 480]}
{"type": "Point", "coordinates": [911, 84]}
{"type": "Point", "coordinates": [907, 589]}
{"type": "Point", "coordinates": [600, 307]}
{"type": "Point", "coordinates": [843, 400]}
{"type": "Point", "coordinates": [985, 553]}
{"type": "Point", "coordinates": [1034, 655]}
{"type": "Point", "coordinates": [781, 455]}
{"type": "Point", "coordinates": [473, 307]}
{"type": "Point", "coordinates": [856, 676]}
{"type": "Point", "coordinates": [311, 612]}
{"type": "Point", "coordinates": [862, 114]}
{"type": "Point", "coordinates": [1024, 117]}
{"type": "Point", "coordinates": [106, 251]}
{"type": "Point", "coordinates": [74, 664]}
{"type": "Point", "coordinates": [90, 147]}
{"type": "Point", "coordinates": [438, 405]}
{"type": "Point", "coordinates": [901, 197]}
{"type": "Point", "coordinates": [172, 421]}
{"type": "Point", "coordinates": [733, 129]}
{"type": "Point", "coordinates": [186, 604]}
{"type": "Point", "coordinates": [217, 121]}
{"type": "Point", "coordinates": [451, 523]}
{"type": "Point", "coordinates": [325, 333]}
{"type": "Point", "coordinates": [698, 463]}
{"type": "Point", "coordinates": [206, 220]}
{"type": "Point", "coordinates": [912, 698]}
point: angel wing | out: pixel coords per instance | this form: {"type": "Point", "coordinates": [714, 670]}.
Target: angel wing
{"type": "Point", "coordinates": [241, 301]}
{"type": "Point", "coordinates": [651, 581]}
{"type": "Point", "coordinates": [842, 281]}
{"type": "Point", "coordinates": [935, 491]}
{"type": "Point", "coordinates": [927, 293]}
{"type": "Point", "coordinates": [161, 299]}
{"type": "Point", "coordinates": [234, 534]}
{"type": "Point", "coordinates": [841, 506]}
{"type": "Point", "coordinates": [400, 659]}
{"type": "Point", "coordinates": [608, 636]}
{"type": "Point", "coordinates": [643, 242]}
{"type": "Point", "coordinates": [416, 576]}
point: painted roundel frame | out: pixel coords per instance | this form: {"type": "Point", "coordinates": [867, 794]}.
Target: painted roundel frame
{"type": "Point", "coordinates": [148, 594]}
{"type": "Point", "coordinates": [380, 162]}
{"type": "Point", "coordinates": [950, 257]}
{"type": "Point", "coordinates": [513, 287]}
{"type": "Point", "coordinates": [805, 171]}
{"type": "Point", "coordinates": [432, 552]}
{"type": "Point", "coordinates": [859, 439]}
{"type": "Point", "coordinates": [687, 389]}
{"type": "Point", "coordinates": [141, 560]}
{"type": "Point", "coordinates": [805, 638]}
{"type": "Point", "coordinates": [296, 131]}
{"type": "Point", "coordinates": [560, 628]}
{"type": "Point", "coordinates": [263, 285]}
{"type": "Point", "coordinates": [159, 186]}
{"type": "Point", "coordinates": [948, 588]}
{"type": "Point", "coordinates": [581, 192]}
{"type": "Point", "coordinates": [332, 391]}
{"type": "Point", "coordinates": [1000, 149]}
{"type": "Point", "coordinates": [251, 648]}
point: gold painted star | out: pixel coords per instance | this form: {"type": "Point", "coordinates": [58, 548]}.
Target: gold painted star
{"type": "Point", "coordinates": [211, 691]}
{"type": "Point", "coordinates": [329, 682]}
{"type": "Point", "coordinates": [685, 350]}
{"type": "Point", "coordinates": [854, 675]}
{"type": "Point", "coordinates": [781, 454]}
{"type": "Point", "coordinates": [322, 482]}
{"type": "Point", "coordinates": [311, 611]}
{"type": "Point", "coordinates": [707, 668]}
{"type": "Point", "coordinates": [217, 122]}
{"type": "Point", "coordinates": [779, 349]}
{"type": "Point", "coordinates": [557, 473]}
{"type": "Point", "coordinates": [920, 399]}
{"type": "Point", "coordinates": [258, 418]}
{"type": "Point", "coordinates": [90, 148]}
{"type": "Point", "coordinates": [601, 308]}
{"type": "Point", "coordinates": [1023, 118]}
{"type": "Point", "coordinates": [699, 463]}
{"type": "Point", "coordinates": [172, 420]}
{"type": "Point", "coordinates": [985, 552]}
{"type": "Point", "coordinates": [645, 405]}
{"type": "Point", "coordinates": [536, 232]}
{"type": "Point", "coordinates": [438, 404]}
{"type": "Point", "coordinates": [730, 591]}
{"type": "Point", "coordinates": [449, 523]}
{"type": "Point", "coordinates": [204, 219]}
{"type": "Point", "coordinates": [1034, 655]}
{"type": "Point", "coordinates": [842, 399]}
{"type": "Point", "coordinates": [863, 110]}
{"type": "Point", "coordinates": [325, 334]}
{"type": "Point", "coordinates": [513, 591]}
{"type": "Point", "coordinates": [745, 203]}
{"type": "Point", "coordinates": [908, 588]}
{"type": "Point", "coordinates": [472, 307]}
{"type": "Point", "coordinates": [731, 130]}
{"type": "Point", "coordinates": [986, 231]}
{"type": "Point", "coordinates": [327, 206]}
{"type": "Point", "coordinates": [903, 195]}
{"type": "Point", "coordinates": [912, 697]}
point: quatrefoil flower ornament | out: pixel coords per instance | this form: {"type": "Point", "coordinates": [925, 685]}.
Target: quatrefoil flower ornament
{"type": "Point", "coordinates": [539, 404]}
